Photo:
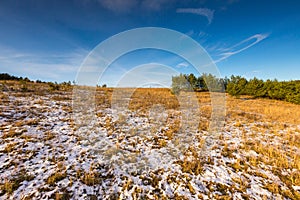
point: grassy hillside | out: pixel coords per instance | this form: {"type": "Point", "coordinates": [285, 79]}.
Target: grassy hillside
{"type": "Point", "coordinates": [44, 154]}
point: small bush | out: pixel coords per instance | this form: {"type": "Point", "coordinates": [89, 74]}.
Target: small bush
{"type": "Point", "coordinates": [54, 178]}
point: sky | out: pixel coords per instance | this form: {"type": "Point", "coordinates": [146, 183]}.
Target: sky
{"type": "Point", "coordinates": [50, 39]}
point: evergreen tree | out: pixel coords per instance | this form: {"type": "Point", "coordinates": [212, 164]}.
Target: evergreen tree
{"type": "Point", "coordinates": [180, 83]}
{"type": "Point", "coordinates": [237, 85]}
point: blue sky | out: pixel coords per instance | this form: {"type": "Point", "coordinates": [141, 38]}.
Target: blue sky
{"type": "Point", "coordinates": [49, 40]}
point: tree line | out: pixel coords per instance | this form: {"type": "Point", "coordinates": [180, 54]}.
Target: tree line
{"type": "Point", "coordinates": [205, 82]}
{"type": "Point", "coordinates": [6, 76]}
{"type": "Point", "coordinates": [237, 85]}
{"type": "Point", "coordinates": [272, 89]}
{"type": "Point", "coordinates": [24, 82]}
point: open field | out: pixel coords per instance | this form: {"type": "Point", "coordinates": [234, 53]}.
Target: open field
{"type": "Point", "coordinates": [45, 155]}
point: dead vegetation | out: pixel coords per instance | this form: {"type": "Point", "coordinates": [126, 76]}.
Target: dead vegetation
{"type": "Point", "coordinates": [259, 145]}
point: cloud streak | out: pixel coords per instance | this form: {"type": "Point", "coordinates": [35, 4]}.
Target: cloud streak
{"type": "Point", "coordinates": [208, 13]}
{"type": "Point", "coordinates": [182, 65]}
{"type": "Point", "coordinates": [155, 5]}
{"type": "Point", "coordinates": [239, 47]}
{"type": "Point", "coordinates": [126, 6]}
{"type": "Point", "coordinates": [119, 6]}
{"type": "Point", "coordinates": [41, 66]}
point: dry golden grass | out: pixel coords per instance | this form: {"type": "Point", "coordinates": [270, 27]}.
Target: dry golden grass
{"type": "Point", "coordinates": [141, 98]}
{"type": "Point", "coordinates": [265, 120]}
{"type": "Point", "coordinates": [57, 176]}
{"type": "Point", "coordinates": [12, 133]}
{"type": "Point", "coordinates": [9, 147]}
{"type": "Point", "coordinates": [91, 178]}
{"type": "Point", "coordinates": [10, 185]}
{"type": "Point", "coordinates": [33, 87]}
{"type": "Point", "coordinates": [265, 109]}
{"type": "Point", "coordinates": [244, 107]}
{"type": "Point", "coordinates": [245, 110]}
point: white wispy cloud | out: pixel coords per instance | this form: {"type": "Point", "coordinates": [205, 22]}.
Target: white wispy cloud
{"type": "Point", "coordinates": [119, 6]}
{"type": "Point", "coordinates": [182, 65]}
{"type": "Point", "coordinates": [239, 47]}
{"type": "Point", "coordinates": [227, 3]}
{"type": "Point", "coordinates": [203, 34]}
{"type": "Point", "coordinates": [256, 71]}
{"type": "Point", "coordinates": [126, 6]}
{"type": "Point", "coordinates": [41, 66]}
{"type": "Point", "coordinates": [147, 74]}
{"type": "Point", "coordinates": [190, 33]}
{"type": "Point", "coordinates": [253, 73]}
{"type": "Point", "coordinates": [208, 13]}
{"type": "Point", "coordinates": [155, 5]}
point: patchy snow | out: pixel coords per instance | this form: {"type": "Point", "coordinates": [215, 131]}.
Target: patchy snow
{"type": "Point", "coordinates": [121, 154]}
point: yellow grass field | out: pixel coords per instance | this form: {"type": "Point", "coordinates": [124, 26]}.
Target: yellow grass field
{"type": "Point", "coordinates": [43, 153]}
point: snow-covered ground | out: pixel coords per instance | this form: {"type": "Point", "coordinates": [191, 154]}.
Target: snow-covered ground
{"type": "Point", "coordinates": [124, 155]}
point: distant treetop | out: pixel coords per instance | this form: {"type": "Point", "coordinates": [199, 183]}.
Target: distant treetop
{"type": "Point", "coordinates": [6, 76]}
